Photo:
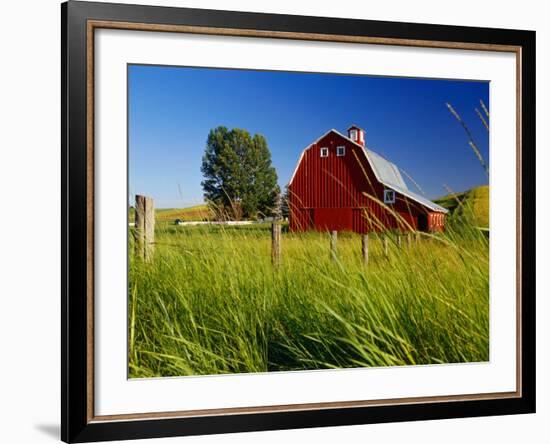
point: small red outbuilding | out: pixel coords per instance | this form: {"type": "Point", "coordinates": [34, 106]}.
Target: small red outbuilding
{"type": "Point", "coordinates": [340, 184]}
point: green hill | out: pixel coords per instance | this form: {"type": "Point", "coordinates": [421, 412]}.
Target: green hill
{"type": "Point", "coordinates": [473, 205]}
{"type": "Point", "coordinates": [195, 213]}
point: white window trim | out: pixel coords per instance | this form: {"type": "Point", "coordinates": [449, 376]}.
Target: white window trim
{"type": "Point", "coordinates": [389, 201]}
{"type": "Point", "coordinates": [353, 134]}
{"type": "Point", "coordinates": [324, 151]}
{"type": "Point", "coordinates": [343, 148]}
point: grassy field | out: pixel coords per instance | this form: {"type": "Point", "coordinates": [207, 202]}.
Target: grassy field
{"type": "Point", "coordinates": [211, 302]}
{"type": "Point", "coordinates": [471, 206]}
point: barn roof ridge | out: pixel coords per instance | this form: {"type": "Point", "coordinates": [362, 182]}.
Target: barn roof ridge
{"type": "Point", "coordinates": [386, 172]}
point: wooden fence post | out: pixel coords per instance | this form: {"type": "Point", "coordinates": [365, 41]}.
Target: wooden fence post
{"type": "Point", "coordinates": [365, 248]}
{"type": "Point", "coordinates": [333, 238]}
{"type": "Point", "coordinates": [399, 240]}
{"type": "Point", "coordinates": [409, 240]}
{"type": "Point", "coordinates": [386, 245]}
{"type": "Point", "coordinates": [276, 243]}
{"type": "Point", "coordinates": [145, 227]}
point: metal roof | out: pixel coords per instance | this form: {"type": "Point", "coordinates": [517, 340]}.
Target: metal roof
{"type": "Point", "coordinates": [418, 198]}
{"type": "Point", "coordinates": [388, 174]}
{"type": "Point", "coordinates": [386, 171]}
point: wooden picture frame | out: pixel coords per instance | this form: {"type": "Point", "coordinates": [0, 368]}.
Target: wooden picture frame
{"type": "Point", "coordinates": [79, 22]}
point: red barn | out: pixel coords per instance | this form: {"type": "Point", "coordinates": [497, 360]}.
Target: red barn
{"type": "Point", "coordinates": [340, 184]}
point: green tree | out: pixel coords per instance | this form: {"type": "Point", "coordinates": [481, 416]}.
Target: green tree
{"type": "Point", "coordinates": [239, 178]}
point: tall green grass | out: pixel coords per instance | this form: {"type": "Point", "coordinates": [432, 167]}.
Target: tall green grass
{"type": "Point", "coordinates": [211, 302]}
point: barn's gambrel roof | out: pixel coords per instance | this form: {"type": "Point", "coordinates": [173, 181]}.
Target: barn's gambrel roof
{"type": "Point", "coordinates": [386, 172]}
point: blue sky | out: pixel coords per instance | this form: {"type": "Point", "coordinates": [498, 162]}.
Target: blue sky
{"type": "Point", "coordinates": [172, 109]}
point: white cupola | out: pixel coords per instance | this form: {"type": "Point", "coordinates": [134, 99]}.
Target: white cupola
{"type": "Point", "coordinates": [357, 134]}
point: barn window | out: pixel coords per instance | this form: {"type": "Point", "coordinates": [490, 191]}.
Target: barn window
{"type": "Point", "coordinates": [389, 196]}
{"type": "Point", "coordinates": [324, 152]}
{"type": "Point", "coordinates": [340, 150]}
{"type": "Point", "coordinates": [353, 135]}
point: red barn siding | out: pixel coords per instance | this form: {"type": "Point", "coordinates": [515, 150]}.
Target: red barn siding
{"type": "Point", "coordinates": [300, 219]}
{"type": "Point", "coordinates": [339, 219]}
{"type": "Point", "coordinates": [436, 222]}
{"type": "Point", "coordinates": [348, 183]}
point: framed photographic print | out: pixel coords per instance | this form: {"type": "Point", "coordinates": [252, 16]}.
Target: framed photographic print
{"type": "Point", "coordinates": [275, 221]}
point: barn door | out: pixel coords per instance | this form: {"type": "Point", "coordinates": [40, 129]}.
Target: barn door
{"type": "Point", "coordinates": [422, 222]}
{"type": "Point", "coordinates": [339, 219]}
